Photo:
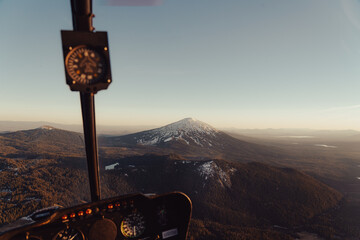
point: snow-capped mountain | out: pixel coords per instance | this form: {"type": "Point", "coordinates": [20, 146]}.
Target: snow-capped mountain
{"type": "Point", "coordinates": [188, 130]}
{"type": "Point", "coordinates": [190, 138]}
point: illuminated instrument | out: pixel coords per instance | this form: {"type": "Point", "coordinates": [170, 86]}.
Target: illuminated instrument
{"type": "Point", "coordinates": [126, 217]}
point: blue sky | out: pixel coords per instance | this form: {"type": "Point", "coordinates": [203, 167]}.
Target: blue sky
{"type": "Point", "coordinates": [243, 64]}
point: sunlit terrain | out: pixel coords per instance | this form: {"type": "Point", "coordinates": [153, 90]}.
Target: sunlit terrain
{"type": "Point", "coordinates": [253, 185]}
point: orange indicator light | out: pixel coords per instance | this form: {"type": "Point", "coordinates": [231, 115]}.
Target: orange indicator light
{"type": "Point", "coordinates": [88, 211]}
{"type": "Point", "coordinates": [110, 206]}
{"type": "Point", "coordinates": [72, 215]}
{"type": "Point", "coordinates": [81, 213]}
{"type": "Point", "coordinates": [117, 204]}
{"type": "Point", "coordinates": [64, 217]}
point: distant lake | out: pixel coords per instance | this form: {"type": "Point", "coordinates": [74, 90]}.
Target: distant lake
{"type": "Point", "coordinates": [296, 136]}
{"type": "Point", "coordinates": [325, 146]}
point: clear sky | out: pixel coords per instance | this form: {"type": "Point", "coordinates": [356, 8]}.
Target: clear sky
{"type": "Point", "coordinates": [230, 63]}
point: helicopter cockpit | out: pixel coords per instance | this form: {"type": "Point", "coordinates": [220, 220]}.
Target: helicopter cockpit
{"type": "Point", "coordinates": [125, 217]}
{"type": "Point", "coordinates": [136, 216]}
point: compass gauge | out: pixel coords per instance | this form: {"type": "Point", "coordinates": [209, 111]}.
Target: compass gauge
{"type": "Point", "coordinates": [86, 60]}
{"type": "Point", "coordinates": [84, 65]}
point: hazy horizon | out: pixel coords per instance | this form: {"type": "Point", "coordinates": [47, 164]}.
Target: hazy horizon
{"type": "Point", "coordinates": [107, 129]}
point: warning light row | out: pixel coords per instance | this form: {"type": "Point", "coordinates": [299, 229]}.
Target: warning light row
{"type": "Point", "coordinates": [117, 205]}
{"type": "Point", "coordinates": [89, 211]}
{"type": "Point", "coordinates": [80, 214]}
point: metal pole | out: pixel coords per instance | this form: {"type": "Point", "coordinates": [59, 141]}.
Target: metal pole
{"type": "Point", "coordinates": [88, 115]}
{"type": "Point", "coordinates": [82, 21]}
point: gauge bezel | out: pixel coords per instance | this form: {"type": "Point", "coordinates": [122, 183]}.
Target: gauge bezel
{"type": "Point", "coordinates": [71, 61]}
{"type": "Point", "coordinates": [79, 231]}
{"type": "Point", "coordinates": [127, 216]}
{"type": "Point", "coordinates": [94, 41]}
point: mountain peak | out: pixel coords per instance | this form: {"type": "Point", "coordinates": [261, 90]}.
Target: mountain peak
{"type": "Point", "coordinates": [189, 124]}
{"type": "Point", "coordinates": [187, 130]}
{"type": "Point", "coordinates": [189, 119]}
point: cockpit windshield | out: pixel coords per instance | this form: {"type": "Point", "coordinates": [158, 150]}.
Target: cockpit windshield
{"type": "Point", "coordinates": [250, 108]}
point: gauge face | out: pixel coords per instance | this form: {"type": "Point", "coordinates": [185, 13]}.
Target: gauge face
{"type": "Point", "coordinates": [69, 234]}
{"type": "Point", "coordinates": [133, 225]}
{"type": "Point", "coordinates": [84, 65]}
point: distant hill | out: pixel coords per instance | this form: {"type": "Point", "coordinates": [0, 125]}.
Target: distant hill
{"type": "Point", "coordinates": [47, 135]}
{"type": "Point", "coordinates": [43, 140]}
{"type": "Point", "coordinates": [193, 139]}
{"type": "Point", "coordinates": [12, 126]}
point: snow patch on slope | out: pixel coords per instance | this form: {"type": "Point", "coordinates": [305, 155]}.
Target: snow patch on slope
{"type": "Point", "coordinates": [210, 170]}
{"type": "Point", "coordinates": [207, 170]}
{"type": "Point", "coordinates": [111, 167]}
{"type": "Point", "coordinates": [46, 127]}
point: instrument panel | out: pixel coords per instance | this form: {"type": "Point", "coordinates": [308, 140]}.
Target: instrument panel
{"type": "Point", "coordinates": [137, 216]}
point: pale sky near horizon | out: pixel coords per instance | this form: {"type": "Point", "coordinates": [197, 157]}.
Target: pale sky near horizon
{"type": "Point", "coordinates": [233, 63]}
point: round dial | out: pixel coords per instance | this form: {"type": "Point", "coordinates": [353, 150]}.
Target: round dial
{"type": "Point", "coordinates": [133, 225]}
{"type": "Point", "coordinates": [69, 234]}
{"type": "Point", "coordinates": [84, 65]}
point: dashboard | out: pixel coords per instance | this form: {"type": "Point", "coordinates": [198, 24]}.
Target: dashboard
{"type": "Point", "coordinates": [138, 216]}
